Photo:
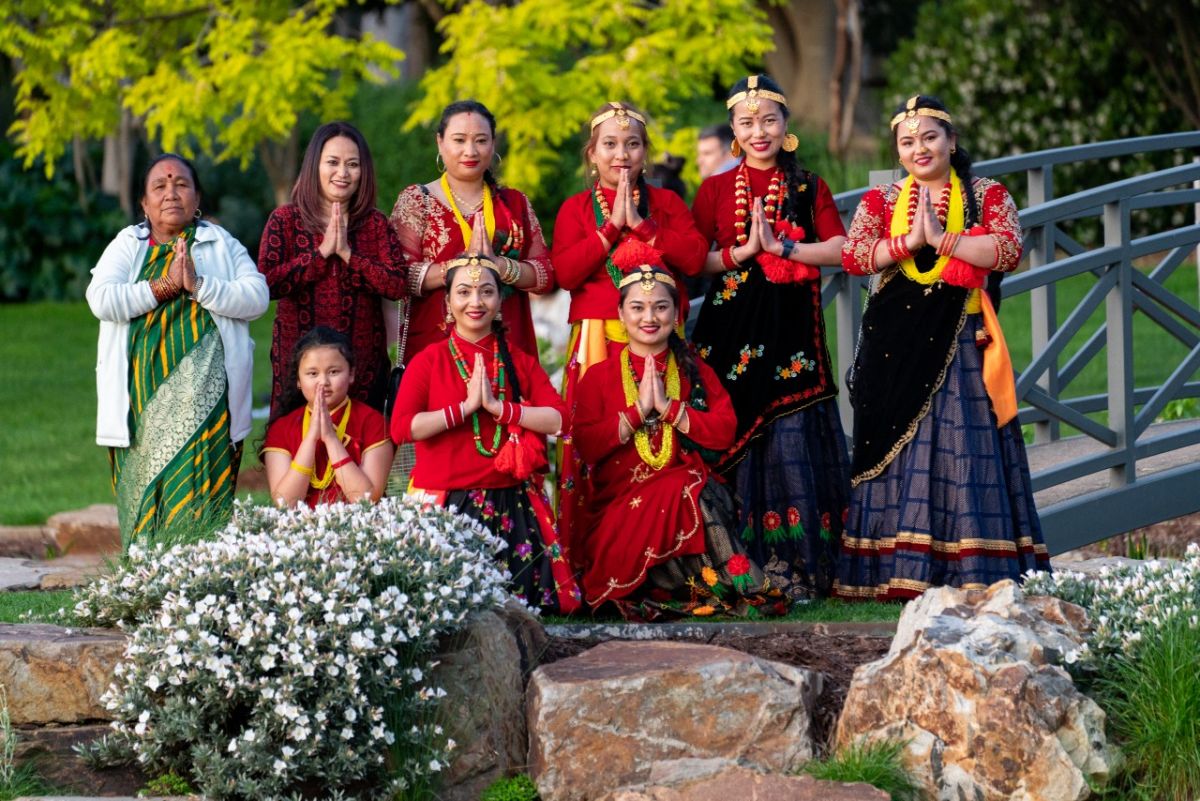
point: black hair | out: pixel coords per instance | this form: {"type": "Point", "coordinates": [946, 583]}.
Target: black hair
{"type": "Point", "coordinates": [793, 172]}
{"type": "Point", "coordinates": [472, 107]}
{"type": "Point", "coordinates": [319, 337]}
{"type": "Point", "coordinates": [685, 355]}
{"type": "Point", "coordinates": [960, 159]}
{"type": "Point", "coordinates": [501, 332]}
{"type": "Point", "coordinates": [667, 174]}
{"type": "Point", "coordinates": [589, 142]}
{"type": "Point", "coordinates": [721, 130]}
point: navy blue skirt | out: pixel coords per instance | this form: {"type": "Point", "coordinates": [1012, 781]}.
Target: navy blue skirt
{"type": "Point", "coordinates": [955, 507]}
{"type": "Point", "coordinates": [793, 487]}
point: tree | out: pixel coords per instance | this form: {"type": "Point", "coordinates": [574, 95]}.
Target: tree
{"type": "Point", "coordinates": [232, 76]}
{"type": "Point", "coordinates": [543, 66]}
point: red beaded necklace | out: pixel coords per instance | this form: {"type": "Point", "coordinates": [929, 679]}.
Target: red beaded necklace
{"type": "Point", "coordinates": [497, 390]}
{"type": "Point", "coordinates": [772, 201]}
{"type": "Point", "coordinates": [942, 209]}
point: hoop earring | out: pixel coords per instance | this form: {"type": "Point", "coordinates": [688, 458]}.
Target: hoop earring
{"type": "Point", "coordinates": [198, 214]}
{"type": "Point", "coordinates": [735, 148]}
{"type": "Point", "coordinates": [790, 143]}
{"type": "Point", "coordinates": [499, 158]}
{"type": "Point", "coordinates": [437, 160]}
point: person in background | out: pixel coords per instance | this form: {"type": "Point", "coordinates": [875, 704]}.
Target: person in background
{"type": "Point", "coordinates": [174, 296]}
{"type": "Point", "coordinates": [713, 156]}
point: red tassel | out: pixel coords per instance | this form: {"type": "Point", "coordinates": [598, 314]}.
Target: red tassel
{"type": "Point", "coordinates": [515, 458]}
{"type": "Point", "coordinates": [958, 273]}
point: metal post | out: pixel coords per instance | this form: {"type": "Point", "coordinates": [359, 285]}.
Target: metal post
{"type": "Point", "coordinates": [848, 306]}
{"type": "Point", "coordinates": [1119, 345]}
{"type": "Point", "coordinates": [1196, 216]}
{"type": "Point", "coordinates": [1042, 300]}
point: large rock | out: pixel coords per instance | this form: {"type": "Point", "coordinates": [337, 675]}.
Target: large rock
{"type": "Point", "coordinates": [483, 670]}
{"type": "Point", "coordinates": [748, 785]}
{"type": "Point", "coordinates": [57, 675]}
{"type": "Point", "coordinates": [23, 542]}
{"type": "Point", "coordinates": [616, 713]}
{"type": "Point", "coordinates": [90, 530]}
{"type": "Point", "coordinates": [973, 682]}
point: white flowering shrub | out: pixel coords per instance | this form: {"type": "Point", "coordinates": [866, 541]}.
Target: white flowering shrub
{"type": "Point", "coordinates": [287, 658]}
{"type": "Point", "coordinates": [1126, 602]}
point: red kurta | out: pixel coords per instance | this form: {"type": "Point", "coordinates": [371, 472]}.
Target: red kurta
{"type": "Point", "coordinates": [430, 234]}
{"type": "Point", "coordinates": [449, 460]}
{"type": "Point", "coordinates": [313, 290]}
{"type": "Point", "coordinates": [641, 517]}
{"type": "Point", "coordinates": [365, 430]}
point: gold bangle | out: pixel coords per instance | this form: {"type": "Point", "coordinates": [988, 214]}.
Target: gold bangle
{"type": "Point", "coordinates": [301, 469]}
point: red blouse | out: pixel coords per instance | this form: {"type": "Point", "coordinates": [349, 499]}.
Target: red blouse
{"type": "Point", "coordinates": [873, 220]}
{"type": "Point", "coordinates": [579, 255]}
{"type": "Point", "coordinates": [313, 290]}
{"type": "Point", "coordinates": [430, 234]}
{"type": "Point", "coordinates": [365, 430]}
{"type": "Point", "coordinates": [449, 460]}
{"type": "Point", "coordinates": [714, 206]}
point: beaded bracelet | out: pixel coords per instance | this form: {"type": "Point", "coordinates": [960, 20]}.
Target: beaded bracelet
{"type": "Point", "coordinates": [339, 464]}
{"type": "Point", "coordinates": [301, 469]}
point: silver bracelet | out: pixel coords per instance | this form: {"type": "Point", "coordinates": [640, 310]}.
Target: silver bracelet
{"type": "Point", "coordinates": [199, 282]}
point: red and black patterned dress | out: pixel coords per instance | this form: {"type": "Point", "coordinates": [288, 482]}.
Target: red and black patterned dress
{"type": "Point", "coordinates": [313, 290]}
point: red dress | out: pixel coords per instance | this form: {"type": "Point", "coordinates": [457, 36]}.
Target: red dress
{"type": "Point", "coordinates": [313, 290]}
{"type": "Point", "coordinates": [452, 469]}
{"type": "Point", "coordinates": [365, 430]}
{"type": "Point", "coordinates": [429, 234]}
{"type": "Point", "coordinates": [596, 334]}
{"type": "Point", "coordinates": [644, 517]}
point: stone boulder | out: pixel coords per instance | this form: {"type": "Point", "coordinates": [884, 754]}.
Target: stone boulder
{"type": "Point", "coordinates": [613, 715]}
{"type": "Point", "coordinates": [93, 529]}
{"type": "Point", "coordinates": [57, 675]}
{"type": "Point", "coordinates": [973, 682]}
{"type": "Point", "coordinates": [747, 785]}
{"type": "Point", "coordinates": [484, 669]}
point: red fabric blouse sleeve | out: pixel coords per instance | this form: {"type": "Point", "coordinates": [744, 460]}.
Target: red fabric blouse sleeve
{"type": "Point", "coordinates": [279, 436]}
{"type": "Point", "coordinates": [577, 251]}
{"type": "Point", "coordinates": [682, 246]}
{"type": "Point", "coordinates": [715, 427]}
{"type": "Point", "coordinates": [287, 271]}
{"type": "Point", "coordinates": [866, 229]}
{"type": "Point", "coordinates": [999, 214]}
{"type": "Point", "coordinates": [704, 211]}
{"type": "Point", "coordinates": [825, 213]}
{"type": "Point", "coordinates": [379, 265]}
{"type": "Point", "coordinates": [594, 430]}
{"type": "Point", "coordinates": [413, 397]}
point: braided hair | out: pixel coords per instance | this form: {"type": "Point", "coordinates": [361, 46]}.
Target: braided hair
{"type": "Point", "coordinates": [501, 332]}
{"type": "Point", "coordinates": [793, 171]}
{"type": "Point", "coordinates": [472, 107]}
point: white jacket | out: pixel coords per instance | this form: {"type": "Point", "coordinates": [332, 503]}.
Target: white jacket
{"type": "Point", "coordinates": [233, 291]}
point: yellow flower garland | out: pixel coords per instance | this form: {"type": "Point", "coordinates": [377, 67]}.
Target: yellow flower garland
{"type": "Point", "coordinates": [641, 437]}
{"type": "Point", "coordinates": [955, 220]}
{"type": "Point", "coordinates": [324, 481]}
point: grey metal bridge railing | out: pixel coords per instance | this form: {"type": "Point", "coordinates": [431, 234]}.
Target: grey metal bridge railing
{"type": "Point", "coordinates": [1148, 472]}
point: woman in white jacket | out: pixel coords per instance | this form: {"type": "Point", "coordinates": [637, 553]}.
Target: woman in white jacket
{"type": "Point", "coordinates": [174, 296]}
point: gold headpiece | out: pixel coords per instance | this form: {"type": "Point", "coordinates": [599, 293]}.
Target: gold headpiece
{"type": "Point", "coordinates": [622, 114]}
{"type": "Point", "coordinates": [911, 112]}
{"type": "Point", "coordinates": [474, 264]}
{"type": "Point", "coordinates": [752, 95]}
{"type": "Point", "coordinates": [646, 275]}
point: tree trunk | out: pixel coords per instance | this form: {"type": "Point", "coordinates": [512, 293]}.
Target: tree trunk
{"type": "Point", "coordinates": [279, 160]}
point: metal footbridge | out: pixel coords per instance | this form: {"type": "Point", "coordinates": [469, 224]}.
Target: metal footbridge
{"type": "Point", "coordinates": [1102, 268]}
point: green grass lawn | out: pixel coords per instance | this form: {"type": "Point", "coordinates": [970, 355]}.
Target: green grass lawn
{"type": "Point", "coordinates": [42, 606]}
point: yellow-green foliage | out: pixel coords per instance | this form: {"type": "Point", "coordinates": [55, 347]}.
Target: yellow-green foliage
{"type": "Point", "coordinates": [229, 74]}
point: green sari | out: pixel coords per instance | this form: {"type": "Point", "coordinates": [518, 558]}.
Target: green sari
{"type": "Point", "coordinates": [178, 468]}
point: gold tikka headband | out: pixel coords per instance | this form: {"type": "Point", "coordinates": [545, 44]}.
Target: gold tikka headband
{"type": "Point", "coordinates": [622, 114]}
{"type": "Point", "coordinates": [752, 94]}
{"type": "Point", "coordinates": [911, 112]}
{"type": "Point", "coordinates": [475, 266]}
{"type": "Point", "coordinates": [646, 275]}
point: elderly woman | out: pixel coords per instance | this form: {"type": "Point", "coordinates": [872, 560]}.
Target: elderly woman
{"type": "Point", "coordinates": [174, 296]}
{"type": "Point", "coordinates": [329, 257]}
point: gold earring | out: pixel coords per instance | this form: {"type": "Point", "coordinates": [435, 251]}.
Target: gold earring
{"type": "Point", "coordinates": [953, 150]}
{"type": "Point", "coordinates": [790, 143]}
{"type": "Point", "coordinates": [499, 317]}
{"type": "Point", "coordinates": [440, 164]}
{"type": "Point", "coordinates": [735, 148]}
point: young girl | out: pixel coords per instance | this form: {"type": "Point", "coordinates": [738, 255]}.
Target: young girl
{"type": "Point", "coordinates": [330, 447]}
{"type": "Point", "coordinates": [478, 412]}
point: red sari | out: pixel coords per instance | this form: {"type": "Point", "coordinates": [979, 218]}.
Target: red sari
{"type": "Point", "coordinates": [580, 266]}
{"type": "Point", "coordinates": [644, 517]}
{"type": "Point", "coordinates": [365, 431]}
{"type": "Point", "coordinates": [430, 234]}
{"type": "Point", "coordinates": [451, 468]}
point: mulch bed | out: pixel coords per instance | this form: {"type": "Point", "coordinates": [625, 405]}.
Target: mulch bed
{"type": "Point", "coordinates": [835, 655]}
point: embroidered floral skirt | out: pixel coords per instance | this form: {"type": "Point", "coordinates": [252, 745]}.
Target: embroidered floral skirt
{"type": "Point", "coordinates": [793, 487]}
{"type": "Point", "coordinates": [521, 516]}
{"type": "Point", "coordinates": [955, 507]}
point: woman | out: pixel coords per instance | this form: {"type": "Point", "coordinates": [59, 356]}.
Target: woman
{"type": "Point", "coordinates": [329, 256]}
{"type": "Point", "coordinates": [941, 485]}
{"type": "Point", "coordinates": [619, 205]}
{"type": "Point", "coordinates": [478, 412]}
{"type": "Point", "coordinates": [467, 210]}
{"type": "Point", "coordinates": [326, 448]}
{"type": "Point", "coordinates": [647, 418]}
{"type": "Point", "coordinates": [174, 296]}
{"type": "Point", "coordinates": [762, 332]}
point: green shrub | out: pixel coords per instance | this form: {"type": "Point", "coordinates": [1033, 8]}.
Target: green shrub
{"type": "Point", "coordinates": [168, 784]}
{"type": "Point", "coordinates": [877, 764]}
{"type": "Point", "coordinates": [517, 788]}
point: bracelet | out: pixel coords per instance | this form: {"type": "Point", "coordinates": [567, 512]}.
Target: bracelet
{"type": "Point", "coordinates": [948, 244]}
{"type": "Point", "coordinates": [301, 469]}
{"type": "Point", "coordinates": [610, 232]}
{"type": "Point", "coordinates": [453, 415]}
{"type": "Point", "coordinates": [634, 416]}
{"type": "Point", "coordinates": [788, 245]}
{"type": "Point", "coordinates": [646, 230]}
{"type": "Point", "coordinates": [509, 413]}
{"type": "Point", "coordinates": [199, 282]}
{"type": "Point", "coordinates": [338, 465]}
{"type": "Point", "coordinates": [512, 271]}
{"type": "Point", "coordinates": [727, 259]}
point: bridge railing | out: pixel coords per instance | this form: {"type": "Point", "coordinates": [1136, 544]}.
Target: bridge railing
{"type": "Point", "coordinates": [1130, 275]}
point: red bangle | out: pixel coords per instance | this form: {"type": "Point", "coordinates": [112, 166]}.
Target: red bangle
{"type": "Point", "coordinates": [646, 230]}
{"type": "Point", "coordinates": [453, 415]}
{"type": "Point", "coordinates": [727, 259]}
{"type": "Point", "coordinates": [338, 465]}
{"type": "Point", "coordinates": [509, 413]}
{"type": "Point", "coordinates": [633, 413]}
{"type": "Point", "coordinates": [610, 232]}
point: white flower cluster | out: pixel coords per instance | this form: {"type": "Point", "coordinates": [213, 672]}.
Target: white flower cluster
{"type": "Point", "coordinates": [292, 650]}
{"type": "Point", "coordinates": [1125, 602]}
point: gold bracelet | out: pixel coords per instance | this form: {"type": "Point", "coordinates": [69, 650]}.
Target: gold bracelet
{"type": "Point", "coordinates": [301, 469]}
